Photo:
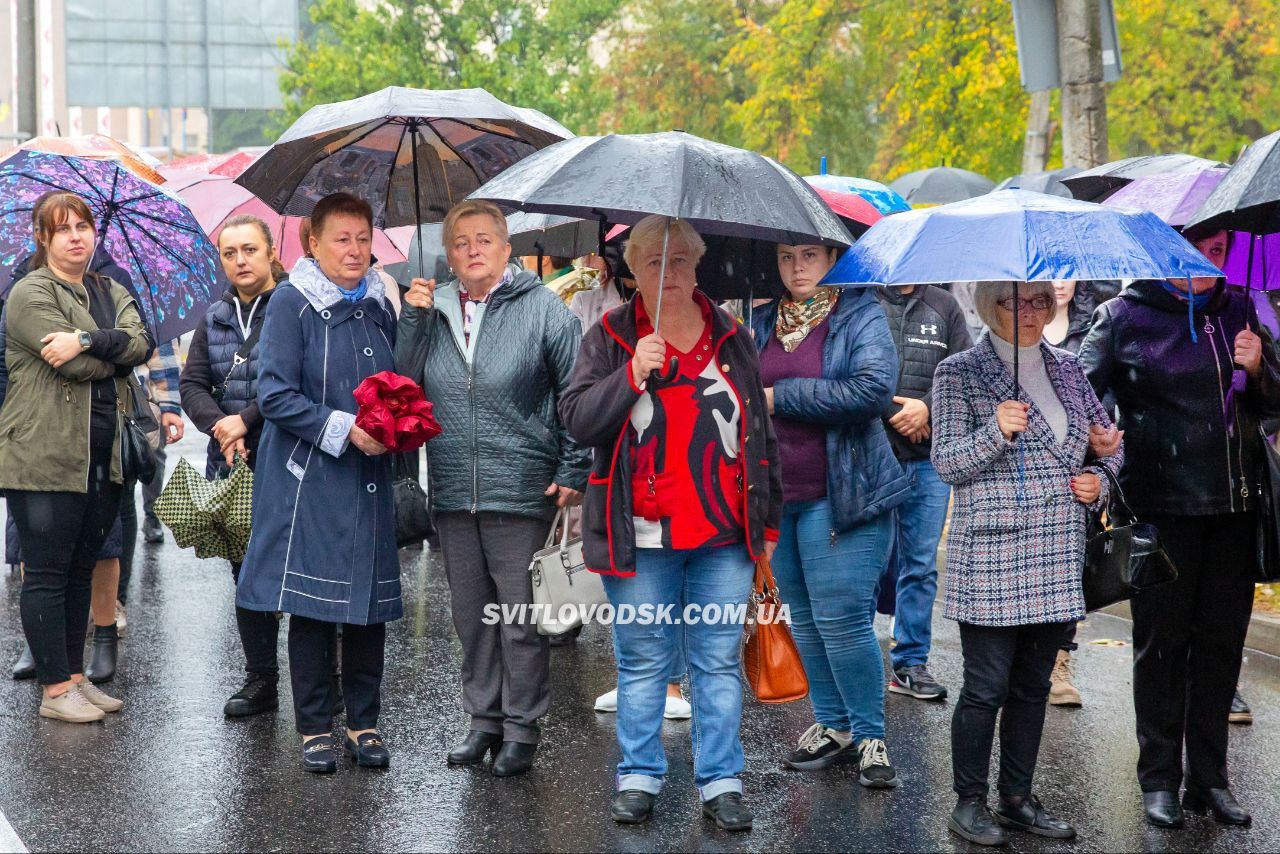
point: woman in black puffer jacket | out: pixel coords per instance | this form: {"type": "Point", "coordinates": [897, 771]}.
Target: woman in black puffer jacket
{"type": "Point", "coordinates": [219, 388]}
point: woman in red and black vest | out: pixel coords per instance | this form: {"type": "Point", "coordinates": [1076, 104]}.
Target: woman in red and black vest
{"type": "Point", "coordinates": [684, 494]}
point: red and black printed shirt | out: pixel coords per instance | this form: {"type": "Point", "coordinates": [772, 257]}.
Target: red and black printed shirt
{"type": "Point", "coordinates": [686, 475]}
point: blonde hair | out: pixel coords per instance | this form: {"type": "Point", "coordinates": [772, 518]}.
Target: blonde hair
{"type": "Point", "coordinates": [987, 294]}
{"type": "Point", "coordinates": [648, 233]}
{"type": "Point", "coordinates": [474, 207]}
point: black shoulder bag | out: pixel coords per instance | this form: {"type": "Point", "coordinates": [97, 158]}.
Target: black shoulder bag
{"type": "Point", "coordinates": [241, 356]}
{"type": "Point", "coordinates": [1123, 556]}
{"type": "Point", "coordinates": [137, 459]}
{"type": "Point", "coordinates": [413, 517]}
{"type": "Point", "coordinates": [1268, 511]}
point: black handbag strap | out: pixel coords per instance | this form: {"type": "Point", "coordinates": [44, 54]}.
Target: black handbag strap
{"type": "Point", "coordinates": [242, 355]}
{"type": "Point", "coordinates": [402, 466]}
{"type": "Point", "coordinates": [1118, 510]}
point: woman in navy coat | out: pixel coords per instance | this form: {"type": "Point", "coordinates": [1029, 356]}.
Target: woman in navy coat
{"type": "Point", "coordinates": [323, 548]}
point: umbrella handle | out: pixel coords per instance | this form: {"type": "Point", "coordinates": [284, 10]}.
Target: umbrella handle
{"type": "Point", "coordinates": [657, 378]}
{"type": "Point", "coordinates": [666, 375]}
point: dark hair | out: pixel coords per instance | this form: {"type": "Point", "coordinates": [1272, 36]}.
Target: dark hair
{"type": "Point", "coordinates": [277, 269]}
{"type": "Point", "coordinates": [1197, 233]}
{"type": "Point", "coordinates": [339, 203]}
{"type": "Point", "coordinates": [52, 210]}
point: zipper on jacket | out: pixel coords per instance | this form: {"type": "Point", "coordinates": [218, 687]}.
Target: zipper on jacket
{"type": "Point", "coordinates": [1235, 406]}
{"type": "Point", "coordinates": [475, 418]}
{"type": "Point", "coordinates": [1210, 329]}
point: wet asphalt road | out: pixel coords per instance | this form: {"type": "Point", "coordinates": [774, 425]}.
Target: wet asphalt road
{"type": "Point", "coordinates": [171, 774]}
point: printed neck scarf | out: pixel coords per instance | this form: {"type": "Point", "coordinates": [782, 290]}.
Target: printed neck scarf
{"type": "Point", "coordinates": [797, 320]}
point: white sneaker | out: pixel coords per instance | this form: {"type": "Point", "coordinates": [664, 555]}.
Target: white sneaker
{"type": "Point", "coordinates": [122, 621]}
{"type": "Point", "coordinates": [607, 702]}
{"type": "Point", "coordinates": [678, 709]}
{"type": "Point", "coordinates": [98, 697]}
{"type": "Point", "coordinates": [72, 707]}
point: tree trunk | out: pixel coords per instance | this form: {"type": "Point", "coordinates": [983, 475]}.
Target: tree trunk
{"type": "Point", "coordinates": [1084, 96]}
{"type": "Point", "coordinates": [1039, 140]}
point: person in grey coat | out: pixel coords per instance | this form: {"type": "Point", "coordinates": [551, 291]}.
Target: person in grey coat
{"type": "Point", "coordinates": [323, 548]}
{"type": "Point", "coordinates": [1016, 455]}
{"type": "Point", "coordinates": [494, 350]}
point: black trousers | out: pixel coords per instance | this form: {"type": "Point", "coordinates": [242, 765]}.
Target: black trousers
{"type": "Point", "coordinates": [129, 537]}
{"type": "Point", "coordinates": [311, 666]}
{"type": "Point", "coordinates": [259, 635]}
{"type": "Point", "coordinates": [61, 534]}
{"type": "Point", "coordinates": [1006, 672]}
{"type": "Point", "coordinates": [1188, 638]}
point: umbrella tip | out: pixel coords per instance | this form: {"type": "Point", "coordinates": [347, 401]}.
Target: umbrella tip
{"type": "Point", "coordinates": [822, 165]}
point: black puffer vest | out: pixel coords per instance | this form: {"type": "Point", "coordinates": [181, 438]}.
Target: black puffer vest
{"type": "Point", "coordinates": [225, 339]}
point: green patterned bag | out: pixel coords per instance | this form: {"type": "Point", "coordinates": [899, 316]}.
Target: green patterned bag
{"type": "Point", "coordinates": [211, 515]}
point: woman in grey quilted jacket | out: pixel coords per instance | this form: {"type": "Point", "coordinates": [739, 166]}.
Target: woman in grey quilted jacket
{"type": "Point", "coordinates": [493, 350]}
{"type": "Point", "coordinates": [1016, 454]}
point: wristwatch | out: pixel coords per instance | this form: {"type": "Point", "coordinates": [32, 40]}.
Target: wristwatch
{"type": "Point", "coordinates": [85, 340]}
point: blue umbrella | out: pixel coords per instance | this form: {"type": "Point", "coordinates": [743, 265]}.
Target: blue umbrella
{"type": "Point", "coordinates": [1018, 236]}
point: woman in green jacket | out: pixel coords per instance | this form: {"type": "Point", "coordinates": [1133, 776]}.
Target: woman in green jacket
{"type": "Point", "coordinates": [73, 339]}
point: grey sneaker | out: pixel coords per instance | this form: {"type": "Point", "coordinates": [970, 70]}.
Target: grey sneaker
{"type": "Point", "coordinates": [72, 707]}
{"type": "Point", "coordinates": [915, 680]}
{"type": "Point", "coordinates": [874, 770]}
{"type": "Point", "coordinates": [99, 698]}
{"type": "Point", "coordinates": [819, 747]}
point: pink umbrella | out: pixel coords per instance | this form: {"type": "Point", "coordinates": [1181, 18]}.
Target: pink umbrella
{"type": "Point", "coordinates": [214, 199]}
{"type": "Point", "coordinates": [230, 163]}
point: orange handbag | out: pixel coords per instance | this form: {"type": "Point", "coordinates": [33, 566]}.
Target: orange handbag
{"type": "Point", "coordinates": [770, 658]}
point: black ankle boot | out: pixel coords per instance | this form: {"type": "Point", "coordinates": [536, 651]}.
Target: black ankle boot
{"type": "Point", "coordinates": [258, 694]}
{"type": "Point", "coordinates": [25, 666]}
{"type": "Point", "coordinates": [102, 661]}
{"type": "Point", "coordinates": [513, 758]}
{"type": "Point", "coordinates": [474, 747]}
{"type": "Point", "coordinates": [1219, 802]}
{"type": "Point", "coordinates": [971, 819]}
{"type": "Point", "coordinates": [1162, 809]}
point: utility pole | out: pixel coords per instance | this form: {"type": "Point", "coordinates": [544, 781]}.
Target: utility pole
{"type": "Point", "coordinates": [1040, 128]}
{"type": "Point", "coordinates": [26, 97]}
{"type": "Point", "coordinates": [1084, 95]}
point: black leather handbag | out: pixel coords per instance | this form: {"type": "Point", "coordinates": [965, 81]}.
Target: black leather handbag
{"type": "Point", "coordinates": [137, 459]}
{"type": "Point", "coordinates": [1123, 556]}
{"type": "Point", "coordinates": [1268, 508]}
{"type": "Point", "coordinates": [413, 517]}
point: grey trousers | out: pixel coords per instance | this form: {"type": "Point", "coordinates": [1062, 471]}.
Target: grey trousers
{"type": "Point", "coordinates": [505, 667]}
{"type": "Point", "coordinates": [151, 491]}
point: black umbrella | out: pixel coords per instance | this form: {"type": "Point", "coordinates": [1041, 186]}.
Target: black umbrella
{"type": "Point", "coordinates": [1049, 183]}
{"type": "Point", "coordinates": [1248, 198]}
{"type": "Point", "coordinates": [718, 189]}
{"type": "Point", "coordinates": [547, 234]}
{"type": "Point", "coordinates": [410, 153]}
{"type": "Point", "coordinates": [941, 185]}
{"type": "Point", "coordinates": [1096, 184]}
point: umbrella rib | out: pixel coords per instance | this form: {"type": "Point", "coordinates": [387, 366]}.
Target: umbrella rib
{"type": "Point", "coordinates": [83, 177]}
{"type": "Point", "coordinates": [391, 174]}
{"type": "Point", "coordinates": [480, 180]}
{"type": "Point", "coordinates": [148, 215]}
{"type": "Point", "coordinates": [163, 248]}
{"type": "Point", "coordinates": [498, 132]}
{"type": "Point", "coordinates": [146, 285]}
{"type": "Point", "coordinates": [377, 124]}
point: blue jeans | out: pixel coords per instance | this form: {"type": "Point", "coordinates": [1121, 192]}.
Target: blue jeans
{"type": "Point", "coordinates": [913, 564]}
{"type": "Point", "coordinates": [828, 580]}
{"type": "Point", "coordinates": [646, 656]}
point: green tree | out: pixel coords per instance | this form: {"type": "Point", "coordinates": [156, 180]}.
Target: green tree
{"type": "Point", "coordinates": [534, 53]}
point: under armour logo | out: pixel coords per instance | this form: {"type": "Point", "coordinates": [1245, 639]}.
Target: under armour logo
{"type": "Point", "coordinates": [928, 329]}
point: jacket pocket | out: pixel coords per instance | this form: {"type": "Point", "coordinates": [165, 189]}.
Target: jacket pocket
{"type": "Point", "coordinates": [299, 458]}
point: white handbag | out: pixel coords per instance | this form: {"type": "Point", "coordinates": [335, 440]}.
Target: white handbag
{"type": "Point", "coordinates": [563, 587]}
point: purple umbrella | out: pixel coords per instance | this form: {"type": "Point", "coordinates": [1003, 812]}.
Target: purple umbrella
{"type": "Point", "coordinates": [1176, 196]}
{"type": "Point", "coordinates": [150, 233]}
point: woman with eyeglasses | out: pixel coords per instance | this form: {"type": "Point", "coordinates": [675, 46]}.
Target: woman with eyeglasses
{"type": "Point", "coordinates": [1016, 454]}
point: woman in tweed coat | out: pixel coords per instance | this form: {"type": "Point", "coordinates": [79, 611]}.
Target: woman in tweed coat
{"type": "Point", "coordinates": [1016, 545]}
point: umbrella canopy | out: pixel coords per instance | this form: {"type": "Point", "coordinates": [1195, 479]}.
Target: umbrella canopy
{"type": "Point", "coordinates": [229, 164]}
{"type": "Point", "coordinates": [886, 201]}
{"type": "Point", "coordinates": [411, 153]}
{"type": "Point", "coordinates": [149, 232]}
{"type": "Point", "coordinates": [547, 234]}
{"type": "Point", "coordinates": [214, 199]}
{"type": "Point", "coordinates": [941, 185]}
{"type": "Point", "coordinates": [1019, 236]}
{"type": "Point", "coordinates": [854, 211]}
{"type": "Point", "coordinates": [1248, 199]}
{"type": "Point", "coordinates": [97, 146]}
{"type": "Point", "coordinates": [718, 189]}
{"type": "Point", "coordinates": [1094, 185]}
{"type": "Point", "coordinates": [1176, 196]}
{"type": "Point", "coordinates": [1041, 182]}
{"type": "Point", "coordinates": [211, 516]}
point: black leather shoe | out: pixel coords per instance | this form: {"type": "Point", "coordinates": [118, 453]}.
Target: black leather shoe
{"type": "Point", "coordinates": [971, 820]}
{"type": "Point", "coordinates": [1220, 803]}
{"type": "Point", "coordinates": [474, 747]}
{"type": "Point", "coordinates": [368, 751]}
{"type": "Point", "coordinates": [102, 659]}
{"type": "Point", "coordinates": [513, 758]}
{"type": "Point", "coordinates": [729, 812]}
{"type": "Point", "coordinates": [631, 806]}
{"type": "Point", "coordinates": [257, 695]}
{"type": "Point", "coordinates": [319, 755]}
{"type": "Point", "coordinates": [1026, 813]}
{"type": "Point", "coordinates": [1162, 809]}
{"type": "Point", "coordinates": [25, 666]}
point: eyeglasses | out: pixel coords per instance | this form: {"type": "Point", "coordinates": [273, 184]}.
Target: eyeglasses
{"type": "Point", "coordinates": [1040, 303]}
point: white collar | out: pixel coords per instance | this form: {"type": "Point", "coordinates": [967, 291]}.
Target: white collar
{"type": "Point", "coordinates": [308, 278]}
